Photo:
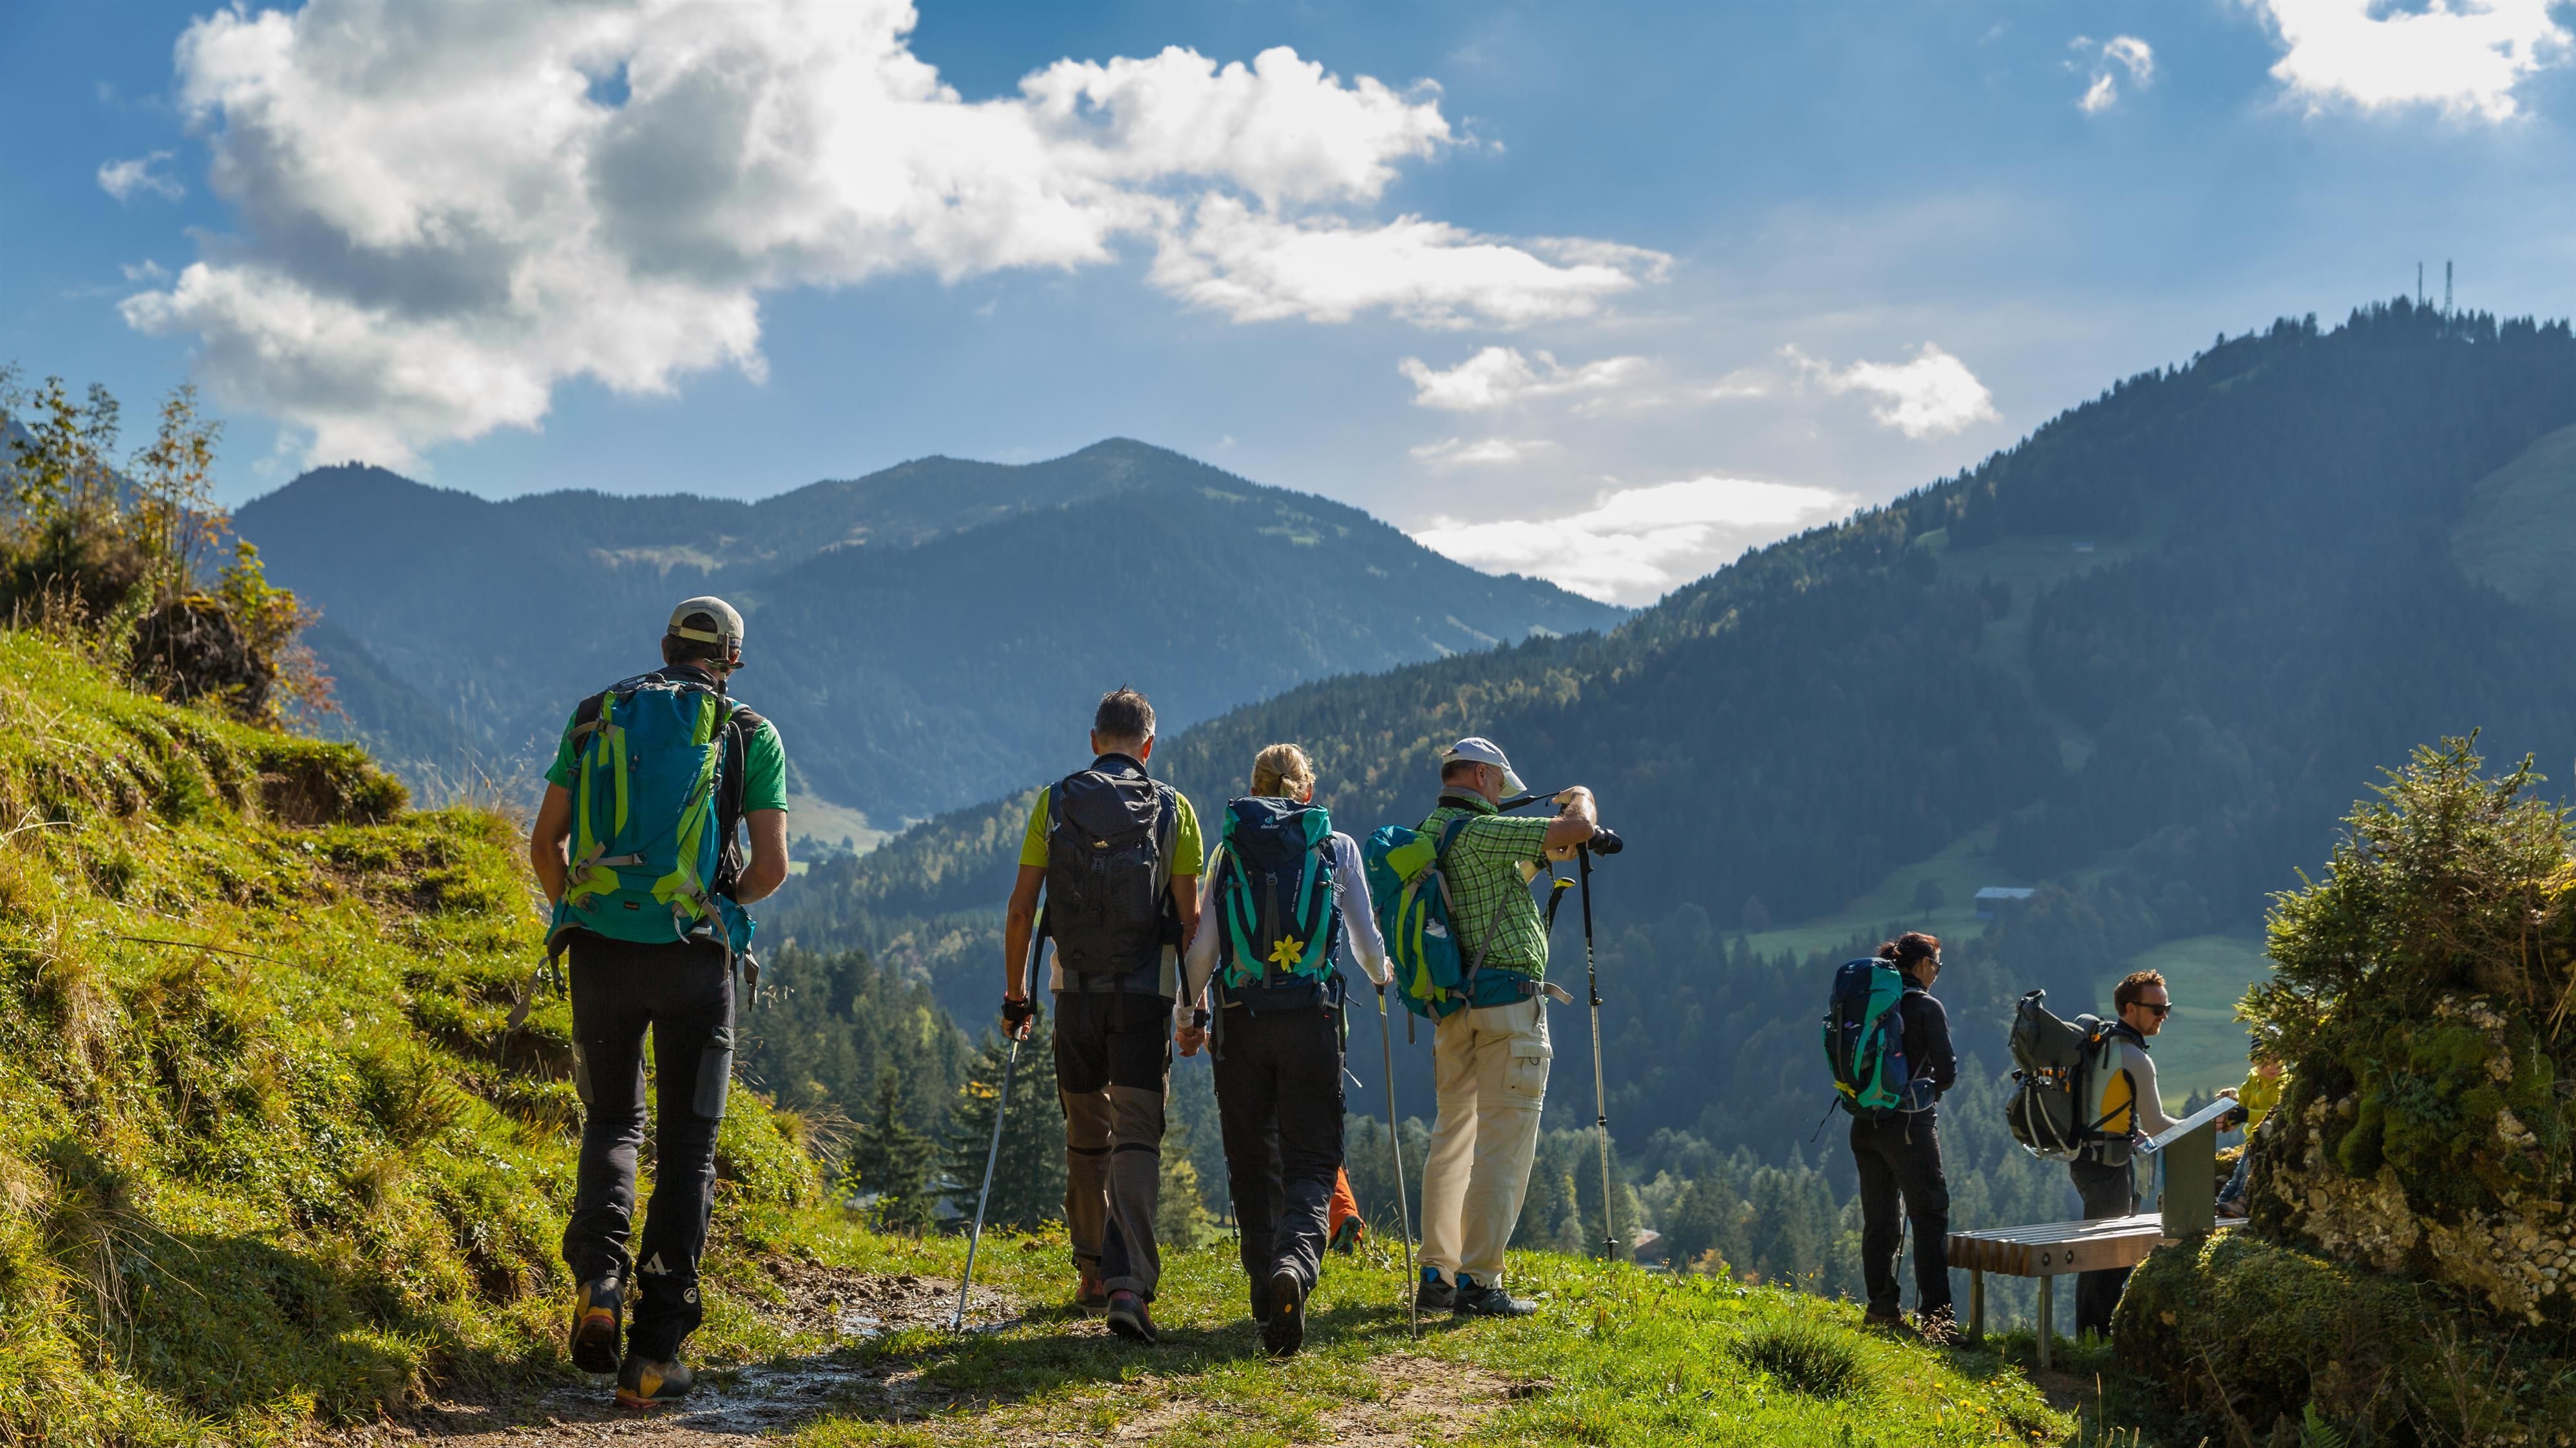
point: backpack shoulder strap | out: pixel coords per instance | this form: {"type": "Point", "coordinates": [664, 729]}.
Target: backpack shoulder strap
{"type": "Point", "coordinates": [739, 725]}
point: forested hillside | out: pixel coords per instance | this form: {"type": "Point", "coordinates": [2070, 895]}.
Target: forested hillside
{"type": "Point", "coordinates": [2141, 660]}
{"type": "Point", "coordinates": [883, 612]}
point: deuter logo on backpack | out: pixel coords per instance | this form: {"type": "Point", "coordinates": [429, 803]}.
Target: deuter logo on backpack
{"type": "Point", "coordinates": [1108, 881]}
{"type": "Point", "coordinates": [656, 796]}
{"type": "Point", "coordinates": [1275, 896]}
{"type": "Point", "coordinates": [1865, 1042]}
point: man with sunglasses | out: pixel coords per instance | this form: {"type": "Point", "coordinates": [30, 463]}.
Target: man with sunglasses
{"type": "Point", "coordinates": [2129, 1107]}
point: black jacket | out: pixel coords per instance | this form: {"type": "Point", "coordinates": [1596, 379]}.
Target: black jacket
{"type": "Point", "coordinates": [1927, 1039]}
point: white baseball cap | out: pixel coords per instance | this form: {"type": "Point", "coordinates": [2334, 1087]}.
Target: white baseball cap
{"type": "Point", "coordinates": [708, 620]}
{"type": "Point", "coordinates": [1483, 751]}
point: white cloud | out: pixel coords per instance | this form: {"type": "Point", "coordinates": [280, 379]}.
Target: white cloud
{"type": "Point", "coordinates": [2465, 56]}
{"type": "Point", "coordinates": [146, 270]}
{"type": "Point", "coordinates": [1633, 545]}
{"type": "Point", "coordinates": [2122, 52]}
{"type": "Point", "coordinates": [1934, 393]}
{"type": "Point", "coordinates": [1499, 377]}
{"type": "Point", "coordinates": [445, 214]}
{"type": "Point", "coordinates": [1450, 452]}
{"type": "Point", "coordinates": [126, 180]}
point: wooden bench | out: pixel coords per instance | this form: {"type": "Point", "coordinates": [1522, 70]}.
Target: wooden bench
{"type": "Point", "coordinates": [2190, 1155]}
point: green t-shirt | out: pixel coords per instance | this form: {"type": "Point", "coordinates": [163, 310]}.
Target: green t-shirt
{"type": "Point", "coordinates": [1189, 850]}
{"type": "Point", "coordinates": [764, 767]}
{"type": "Point", "coordinates": [1489, 899]}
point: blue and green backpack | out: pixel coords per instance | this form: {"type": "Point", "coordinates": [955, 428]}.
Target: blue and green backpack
{"type": "Point", "coordinates": [1865, 1041]}
{"type": "Point", "coordinates": [656, 794]}
{"type": "Point", "coordinates": [1411, 894]}
{"type": "Point", "coordinates": [1277, 904]}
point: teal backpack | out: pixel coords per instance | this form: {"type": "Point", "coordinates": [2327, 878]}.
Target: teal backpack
{"type": "Point", "coordinates": [656, 795]}
{"type": "Point", "coordinates": [1276, 898]}
{"type": "Point", "coordinates": [1410, 890]}
{"type": "Point", "coordinates": [1865, 1041]}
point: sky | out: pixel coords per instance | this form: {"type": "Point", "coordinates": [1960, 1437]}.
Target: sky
{"type": "Point", "coordinates": [1605, 293]}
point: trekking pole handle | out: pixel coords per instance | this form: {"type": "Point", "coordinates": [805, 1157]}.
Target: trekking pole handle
{"type": "Point", "coordinates": [1604, 842]}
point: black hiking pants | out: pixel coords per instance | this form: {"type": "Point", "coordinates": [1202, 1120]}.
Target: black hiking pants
{"type": "Point", "coordinates": [684, 995]}
{"type": "Point", "coordinates": [1279, 1103]}
{"type": "Point", "coordinates": [2108, 1191]}
{"type": "Point", "coordinates": [1900, 1157]}
{"type": "Point", "coordinates": [1113, 1058]}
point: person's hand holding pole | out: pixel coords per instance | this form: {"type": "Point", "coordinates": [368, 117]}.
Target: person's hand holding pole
{"type": "Point", "coordinates": [1576, 819]}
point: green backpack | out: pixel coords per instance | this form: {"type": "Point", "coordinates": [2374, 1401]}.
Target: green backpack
{"type": "Point", "coordinates": [656, 797]}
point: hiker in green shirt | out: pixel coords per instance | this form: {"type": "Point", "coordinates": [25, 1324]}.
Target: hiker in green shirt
{"type": "Point", "coordinates": [1489, 1063]}
{"type": "Point", "coordinates": [636, 846]}
{"type": "Point", "coordinates": [1117, 856]}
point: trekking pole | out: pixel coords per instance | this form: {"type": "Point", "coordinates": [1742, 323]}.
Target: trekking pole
{"type": "Point", "coordinates": [1600, 1097]}
{"type": "Point", "coordinates": [992, 1154]}
{"type": "Point", "coordinates": [1395, 1145]}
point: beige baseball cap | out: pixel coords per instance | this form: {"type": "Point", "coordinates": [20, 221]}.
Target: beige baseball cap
{"type": "Point", "coordinates": [1483, 751]}
{"type": "Point", "coordinates": [709, 620]}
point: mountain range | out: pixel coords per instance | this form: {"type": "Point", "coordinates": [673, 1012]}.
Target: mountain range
{"type": "Point", "coordinates": [2139, 663]}
{"type": "Point", "coordinates": [924, 636]}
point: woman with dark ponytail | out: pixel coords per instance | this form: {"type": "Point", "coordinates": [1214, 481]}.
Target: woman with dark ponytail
{"type": "Point", "coordinates": [1899, 1154]}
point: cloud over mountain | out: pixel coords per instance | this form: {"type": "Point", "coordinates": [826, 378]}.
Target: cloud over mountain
{"type": "Point", "coordinates": [1634, 544]}
{"type": "Point", "coordinates": [2464, 56]}
{"type": "Point", "coordinates": [447, 212]}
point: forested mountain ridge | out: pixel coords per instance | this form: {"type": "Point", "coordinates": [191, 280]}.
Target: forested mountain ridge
{"type": "Point", "coordinates": [2150, 652]}
{"type": "Point", "coordinates": [882, 610]}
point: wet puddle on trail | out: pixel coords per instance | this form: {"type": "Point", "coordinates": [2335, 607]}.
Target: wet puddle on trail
{"type": "Point", "coordinates": [730, 1404]}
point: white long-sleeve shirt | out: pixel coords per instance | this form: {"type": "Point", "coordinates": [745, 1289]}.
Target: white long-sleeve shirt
{"type": "Point", "coordinates": [1360, 937]}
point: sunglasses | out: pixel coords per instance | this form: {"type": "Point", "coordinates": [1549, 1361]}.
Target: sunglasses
{"type": "Point", "coordinates": [2161, 1011]}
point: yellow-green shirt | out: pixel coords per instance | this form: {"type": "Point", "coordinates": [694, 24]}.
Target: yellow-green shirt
{"type": "Point", "coordinates": [2259, 1095]}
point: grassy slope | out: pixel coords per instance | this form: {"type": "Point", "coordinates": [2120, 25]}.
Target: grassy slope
{"type": "Point", "coordinates": [283, 1175]}
{"type": "Point", "coordinates": [266, 1158]}
{"type": "Point", "coordinates": [1615, 1356]}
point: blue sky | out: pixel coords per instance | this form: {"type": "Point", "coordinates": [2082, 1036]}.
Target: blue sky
{"type": "Point", "coordinates": [1601, 292]}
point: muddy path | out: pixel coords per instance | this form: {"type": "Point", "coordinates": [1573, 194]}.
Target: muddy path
{"type": "Point", "coordinates": [731, 1405]}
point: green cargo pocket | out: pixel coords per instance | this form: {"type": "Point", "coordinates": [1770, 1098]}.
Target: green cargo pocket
{"type": "Point", "coordinates": [715, 1073]}
{"type": "Point", "coordinates": [1525, 1074]}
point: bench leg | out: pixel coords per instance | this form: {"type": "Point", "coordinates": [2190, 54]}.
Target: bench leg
{"type": "Point", "coordinates": [1977, 1306]}
{"type": "Point", "coordinates": [2047, 1316]}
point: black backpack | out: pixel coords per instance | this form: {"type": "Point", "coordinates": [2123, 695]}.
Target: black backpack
{"type": "Point", "coordinates": [1109, 872]}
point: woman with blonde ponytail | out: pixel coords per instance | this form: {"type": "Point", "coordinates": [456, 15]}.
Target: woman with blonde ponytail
{"type": "Point", "coordinates": [1284, 897]}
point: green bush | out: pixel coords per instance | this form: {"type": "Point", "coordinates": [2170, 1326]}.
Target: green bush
{"type": "Point", "coordinates": [1805, 1357]}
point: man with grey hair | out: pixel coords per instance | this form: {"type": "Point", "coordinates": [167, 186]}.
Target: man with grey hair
{"type": "Point", "coordinates": [1489, 1058]}
{"type": "Point", "coordinates": [635, 845]}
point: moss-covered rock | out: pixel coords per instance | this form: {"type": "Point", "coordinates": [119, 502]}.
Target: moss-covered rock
{"type": "Point", "coordinates": [2242, 1333]}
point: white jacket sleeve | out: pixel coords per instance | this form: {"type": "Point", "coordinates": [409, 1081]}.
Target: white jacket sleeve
{"type": "Point", "coordinates": [1199, 962]}
{"type": "Point", "coordinates": [1359, 915]}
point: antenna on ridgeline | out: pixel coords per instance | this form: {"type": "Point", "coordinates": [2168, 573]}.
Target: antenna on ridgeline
{"type": "Point", "coordinates": [2419, 284]}
{"type": "Point", "coordinates": [2446, 289]}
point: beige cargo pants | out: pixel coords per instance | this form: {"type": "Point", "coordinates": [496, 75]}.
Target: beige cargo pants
{"type": "Point", "coordinates": [1489, 1067]}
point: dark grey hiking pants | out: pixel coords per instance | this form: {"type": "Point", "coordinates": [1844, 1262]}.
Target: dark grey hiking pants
{"type": "Point", "coordinates": [1113, 1058]}
{"type": "Point", "coordinates": [684, 995]}
{"type": "Point", "coordinates": [2108, 1191]}
{"type": "Point", "coordinates": [1279, 1100]}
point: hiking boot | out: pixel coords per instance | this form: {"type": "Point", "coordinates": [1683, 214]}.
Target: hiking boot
{"type": "Point", "coordinates": [653, 1385]}
{"type": "Point", "coordinates": [1888, 1322]}
{"type": "Point", "coordinates": [1434, 1295]}
{"type": "Point", "coordinates": [598, 1320]}
{"type": "Point", "coordinates": [1347, 1236]}
{"type": "Point", "coordinates": [1476, 1299]}
{"type": "Point", "coordinates": [1284, 1331]}
{"type": "Point", "coordinates": [1089, 1295]}
{"type": "Point", "coordinates": [1129, 1319]}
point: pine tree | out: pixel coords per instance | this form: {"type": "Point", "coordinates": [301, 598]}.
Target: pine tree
{"type": "Point", "coordinates": [1028, 1171]}
{"type": "Point", "coordinates": [1181, 1218]}
{"type": "Point", "coordinates": [893, 1160]}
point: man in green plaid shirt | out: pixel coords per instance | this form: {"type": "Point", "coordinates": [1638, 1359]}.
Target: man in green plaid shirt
{"type": "Point", "coordinates": [1489, 1063]}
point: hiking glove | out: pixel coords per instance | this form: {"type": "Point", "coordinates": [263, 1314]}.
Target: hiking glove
{"type": "Point", "coordinates": [1016, 1011]}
